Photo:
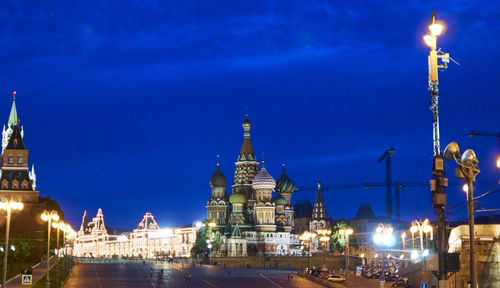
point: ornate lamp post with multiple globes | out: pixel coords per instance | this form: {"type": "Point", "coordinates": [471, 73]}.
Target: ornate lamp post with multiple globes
{"type": "Point", "coordinates": [49, 216]}
{"type": "Point", "coordinates": [307, 237]}
{"type": "Point", "coordinates": [346, 231]}
{"type": "Point", "coordinates": [8, 204]}
{"type": "Point", "coordinates": [324, 236]}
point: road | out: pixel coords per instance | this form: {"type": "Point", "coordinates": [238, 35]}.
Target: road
{"type": "Point", "coordinates": [137, 275]}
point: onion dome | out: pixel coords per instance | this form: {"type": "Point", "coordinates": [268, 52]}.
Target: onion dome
{"type": "Point", "coordinates": [246, 123]}
{"type": "Point", "coordinates": [263, 180]}
{"type": "Point", "coordinates": [218, 179]}
{"type": "Point", "coordinates": [279, 200]}
{"type": "Point", "coordinates": [237, 198]}
{"type": "Point", "coordinates": [284, 184]}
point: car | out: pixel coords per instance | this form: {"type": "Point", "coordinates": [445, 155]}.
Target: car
{"type": "Point", "coordinates": [401, 282]}
{"type": "Point", "coordinates": [336, 278]}
{"type": "Point", "coordinates": [391, 278]}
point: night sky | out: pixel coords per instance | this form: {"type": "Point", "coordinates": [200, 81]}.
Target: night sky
{"type": "Point", "coordinates": [125, 106]}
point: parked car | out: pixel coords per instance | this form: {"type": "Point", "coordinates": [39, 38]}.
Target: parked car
{"type": "Point", "coordinates": [401, 282]}
{"type": "Point", "coordinates": [391, 278]}
{"type": "Point", "coordinates": [375, 275]}
{"type": "Point", "coordinates": [336, 278]}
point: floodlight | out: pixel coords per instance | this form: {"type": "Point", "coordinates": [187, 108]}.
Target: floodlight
{"type": "Point", "coordinates": [452, 151]}
{"type": "Point", "coordinates": [469, 158]}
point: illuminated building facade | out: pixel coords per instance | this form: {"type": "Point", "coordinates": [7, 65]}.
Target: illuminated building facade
{"type": "Point", "coordinates": [251, 221]}
{"type": "Point", "coordinates": [146, 241]}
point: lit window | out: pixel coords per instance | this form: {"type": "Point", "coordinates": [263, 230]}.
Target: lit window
{"type": "Point", "coordinates": [19, 159]}
{"type": "Point", "coordinates": [11, 160]}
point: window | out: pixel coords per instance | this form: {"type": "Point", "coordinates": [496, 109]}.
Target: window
{"type": "Point", "coordinates": [11, 160]}
{"type": "Point", "coordinates": [19, 159]}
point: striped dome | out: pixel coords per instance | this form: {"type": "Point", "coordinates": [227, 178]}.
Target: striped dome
{"type": "Point", "coordinates": [284, 184]}
{"type": "Point", "coordinates": [263, 180]}
{"type": "Point", "coordinates": [237, 198]}
{"type": "Point", "coordinates": [218, 179]}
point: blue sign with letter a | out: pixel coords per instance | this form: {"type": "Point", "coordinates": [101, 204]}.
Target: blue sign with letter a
{"type": "Point", "coordinates": [26, 279]}
{"type": "Point", "coordinates": [423, 285]}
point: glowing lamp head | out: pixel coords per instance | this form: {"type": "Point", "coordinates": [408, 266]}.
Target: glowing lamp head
{"type": "Point", "coordinates": [402, 256]}
{"type": "Point", "coordinates": [425, 253]}
{"type": "Point", "coordinates": [211, 224]}
{"type": "Point", "coordinates": [376, 255]}
{"type": "Point", "coordinates": [349, 231]}
{"type": "Point", "coordinates": [377, 238]}
{"type": "Point", "coordinates": [55, 217]}
{"type": "Point", "coordinates": [389, 229]}
{"type": "Point", "coordinates": [403, 235]}
{"type": "Point", "coordinates": [465, 188]}
{"type": "Point", "coordinates": [414, 255]}
{"type": "Point", "coordinates": [388, 256]}
{"type": "Point", "coordinates": [428, 40]}
{"type": "Point", "coordinates": [362, 255]}
{"type": "Point", "coordinates": [44, 217]}
{"type": "Point", "coordinates": [427, 228]}
{"type": "Point", "coordinates": [436, 29]}
{"type": "Point", "coordinates": [414, 229]}
{"type": "Point", "coordinates": [54, 225]}
{"type": "Point", "coordinates": [379, 229]}
{"type": "Point", "coordinates": [498, 162]}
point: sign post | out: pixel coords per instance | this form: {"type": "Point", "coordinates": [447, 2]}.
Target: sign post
{"type": "Point", "coordinates": [26, 279]}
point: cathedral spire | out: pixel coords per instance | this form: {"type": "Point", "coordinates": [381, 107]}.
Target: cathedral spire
{"type": "Point", "coordinates": [13, 120]}
{"type": "Point", "coordinates": [246, 152]}
{"type": "Point", "coordinates": [319, 210]}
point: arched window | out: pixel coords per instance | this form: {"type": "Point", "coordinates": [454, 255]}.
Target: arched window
{"type": "Point", "coordinates": [19, 159]}
{"type": "Point", "coordinates": [11, 159]}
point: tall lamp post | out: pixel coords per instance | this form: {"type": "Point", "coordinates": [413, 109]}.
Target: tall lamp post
{"type": "Point", "coordinates": [8, 204]}
{"type": "Point", "coordinates": [307, 237]}
{"type": "Point", "coordinates": [421, 227]}
{"type": "Point", "coordinates": [439, 180]}
{"type": "Point", "coordinates": [211, 226]}
{"type": "Point", "coordinates": [346, 231]}
{"type": "Point", "coordinates": [49, 216]}
{"type": "Point", "coordinates": [467, 169]}
{"type": "Point", "coordinates": [383, 236]}
{"type": "Point", "coordinates": [324, 236]}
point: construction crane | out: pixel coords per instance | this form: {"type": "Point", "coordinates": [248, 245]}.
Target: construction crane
{"type": "Point", "coordinates": [399, 186]}
{"type": "Point", "coordinates": [388, 180]}
{"type": "Point", "coordinates": [488, 134]}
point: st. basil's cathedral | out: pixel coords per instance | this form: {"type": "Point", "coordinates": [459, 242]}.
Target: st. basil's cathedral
{"type": "Point", "coordinates": [251, 221]}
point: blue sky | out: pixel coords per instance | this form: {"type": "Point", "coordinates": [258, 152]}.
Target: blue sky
{"type": "Point", "coordinates": [125, 107]}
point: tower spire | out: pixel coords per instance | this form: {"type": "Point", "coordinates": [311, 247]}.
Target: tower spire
{"type": "Point", "coordinates": [319, 210]}
{"type": "Point", "coordinates": [246, 152]}
{"type": "Point", "coordinates": [13, 112]}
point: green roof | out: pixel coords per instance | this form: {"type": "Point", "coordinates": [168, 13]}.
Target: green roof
{"type": "Point", "coordinates": [236, 232]}
{"type": "Point", "coordinates": [13, 114]}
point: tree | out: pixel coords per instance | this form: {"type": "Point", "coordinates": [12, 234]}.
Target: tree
{"type": "Point", "coordinates": [200, 246]}
{"type": "Point", "coordinates": [338, 241]}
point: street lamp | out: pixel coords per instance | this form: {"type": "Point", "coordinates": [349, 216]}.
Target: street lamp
{"type": "Point", "coordinates": [383, 236]}
{"type": "Point", "coordinates": [439, 180]}
{"type": "Point", "coordinates": [403, 236]}
{"type": "Point", "coordinates": [49, 216]}
{"type": "Point", "coordinates": [324, 236]}
{"type": "Point", "coordinates": [421, 227]}
{"type": "Point", "coordinates": [346, 231]}
{"type": "Point", "coordinates": [8, 204]}
{"type": "Point", "coordinates": [307, 237]}
{"type": "Point", "coordinates": [467, 169]}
